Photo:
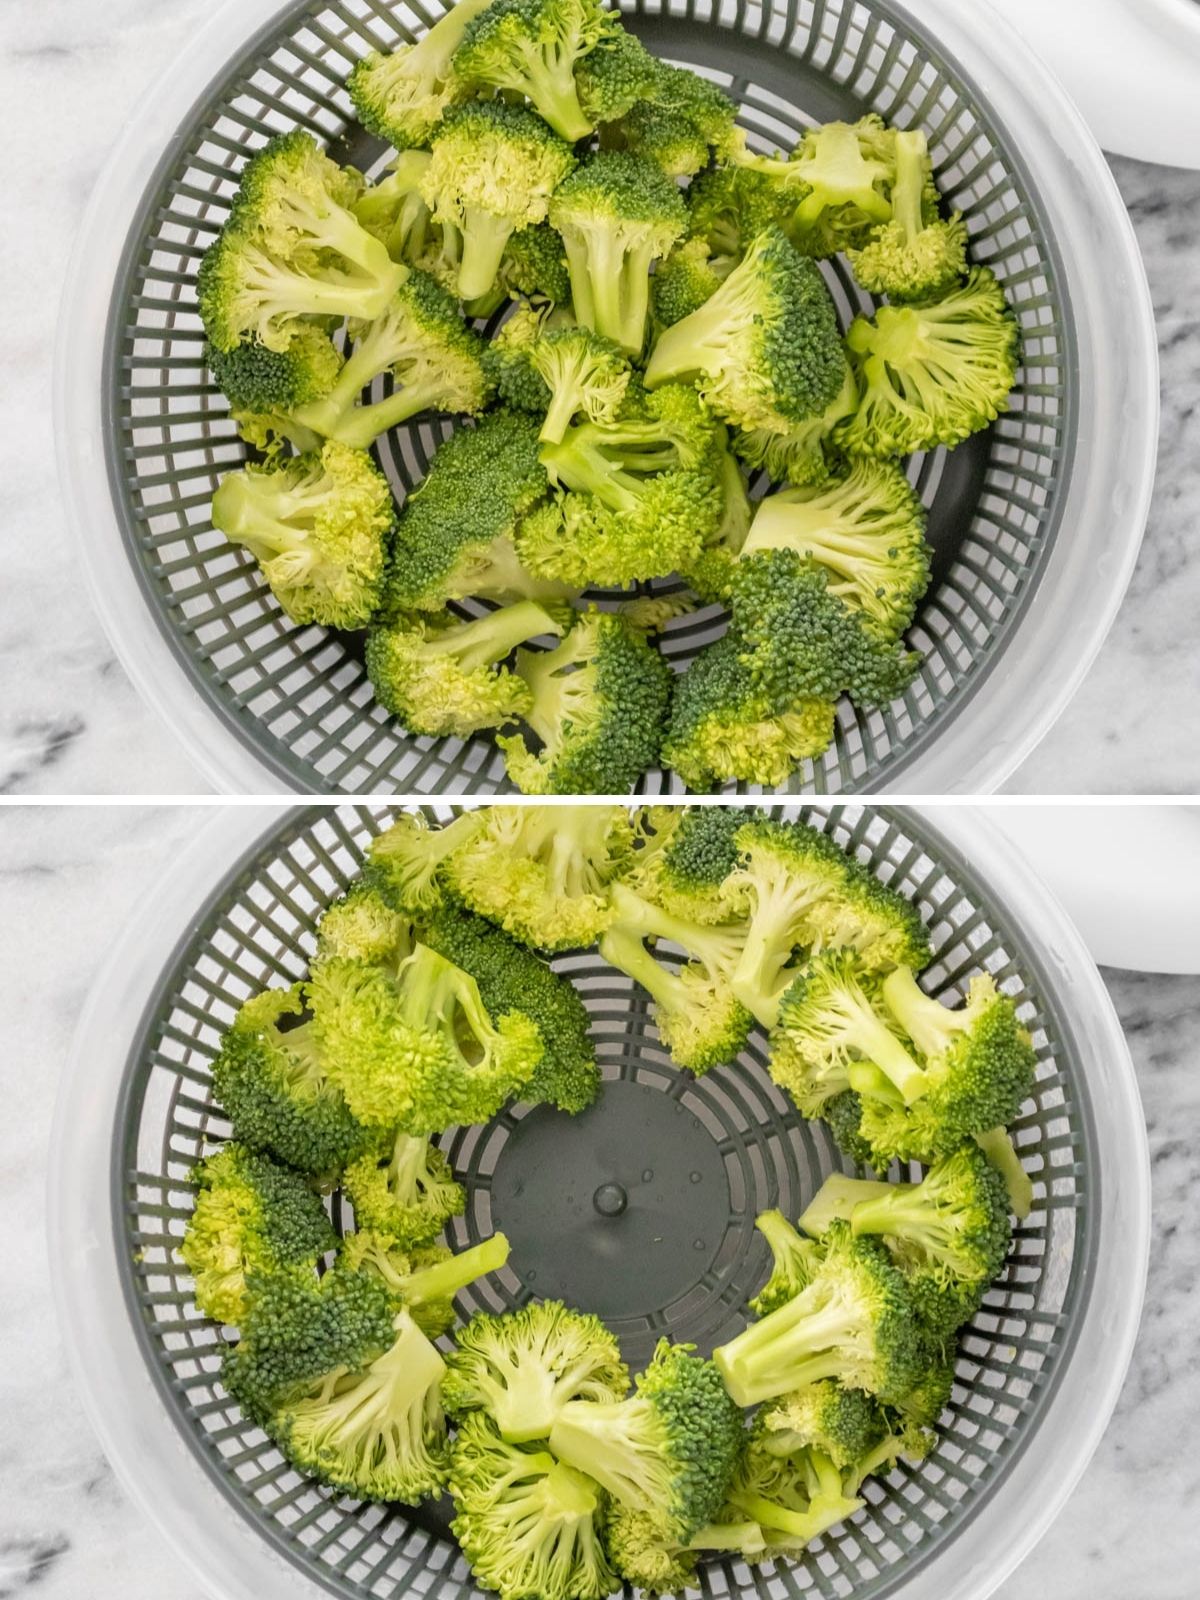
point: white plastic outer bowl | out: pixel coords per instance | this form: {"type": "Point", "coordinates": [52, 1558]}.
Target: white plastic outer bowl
{"type": "Point", "coordinates": [226, 1555]}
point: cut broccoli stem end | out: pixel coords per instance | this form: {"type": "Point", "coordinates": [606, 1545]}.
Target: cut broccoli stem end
{"type": "Point", "coordinates": [484, 240]}
{"type": "Point", "coordinates": [998, 1147]}
{"type": "Point", "coordinates": [444, 1279]}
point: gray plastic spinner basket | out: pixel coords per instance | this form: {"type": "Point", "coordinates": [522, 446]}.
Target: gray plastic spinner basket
{"type": "Point", "coordinates": [299, 697]}
{"type": "Point", "coordinates": [695, 1161]}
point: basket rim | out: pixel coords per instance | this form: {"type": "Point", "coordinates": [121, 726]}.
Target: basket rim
{"type": "Point", "coordinates": [240, 1558]}
{"type": "Point", "coordinates": [1106, 489]}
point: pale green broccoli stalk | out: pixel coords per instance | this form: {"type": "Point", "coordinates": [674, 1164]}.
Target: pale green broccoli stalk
{"type": "Point", "coordinates": [521, 1368]}
{"type": "Point", "coordinates": [493, 171]}
{"type": "Point", "coordinates": [399, 97]}
{"type": "Point", "coordinates": [423, 1281]}
{"type": "Point", "coordinates": [997, 1145]}
{"type": "Point", "coordinates": [318, 526]}
{"type": "Point", "coordinates": [393, 211]}
{"type": "Point", "coordinates": [433, 361]}
{"type": "Point", "coordinates": [403, 1191]}
{"type": "Point", "coordinates": [917, 253]}
{"type": "Point", "coordinates": [416, 1048]}
{"type": "Point", "coordinates": [586, 375]}
{"type": "Point", "coordinates": [291, 250]}
{"type": "Point", "coordinates": [764, 348]}
{"type": "Point", "coordinates": [441, 675]}
{"type": "Point", "coordinates": [271, 432]}
{"type": "Point", "coordinates": [532, 268]}
{"type": "Point", "coordinates": [617, 214]}
{"type": "Point", "coordinates": [251, 1217]}
{"type": "Point", "coordinates": [532, 48]}
{"type": "Point", "coordinates": [837, 1197]}
{"type": "Point", "coordinates": [933, 372]}
{"type": "Point", "coordinates": [801, 453]}
{"type": "Point", "coordinates": [599, 705]}
{"type": "Point", "coordinates": [527, 1525]}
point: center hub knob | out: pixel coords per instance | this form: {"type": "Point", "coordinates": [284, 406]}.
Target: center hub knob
{"type": "Point", "coordinates": [610, 1199]}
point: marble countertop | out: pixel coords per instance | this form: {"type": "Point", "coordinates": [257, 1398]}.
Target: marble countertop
{"type": "Point", "coordinates": [70, 721]}
{"type": "Point", "coordinates": [67, 1529]}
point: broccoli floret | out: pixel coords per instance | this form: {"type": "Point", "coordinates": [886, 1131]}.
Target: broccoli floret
{"type": "Point", "coordinates": [403, 1191]}
{"type": "Point", "coordinates": [796, 888]}
{"type": "Point", "coordinates": [678, 124]}
{"type": "Point", "coordinates": [645, 1554]}
{"type": "Point", "coordinates": [686, 855]}
{"type": "Point", "coordinates": [493, 171]}
{"type": "Point", "coordinates": [654, 612]}
{"type": "Point", "coordinates": [416, 1048]}
{"type": "Point", "coordinates": [454, 536]}
{"type": "Point", "coordinates": [441, 675]}
{"type": "Point", "coordinates": [586, 375]}
{"type": "Point", "coordinates": [997, 1145]}
{"type": "Point", "coordinates": [765, 348]}
{"type": "Point", "coordinates": [729, 207]}
{"type": "Point", "coordinates": [251, 1217]}
{"type": "Point", "coordinates": [843, 1424]}
{"type": "Point", "coordinates": [393, 211]}
{"type": "Point", "coordinates": [778, 1505]}
{"type": "Point", "coordinates": [399, 97]}
{"type": "Point", "coordinates": [270, 432]}
{"type": "Point", "coordinates": [599, 703]}
{"type": "Point", "coordinates": [618, 73]}
{"type": "Point", "coordinates": [270, 1081]}
{"type": "Point", "coordinates": [255, 379]}
{"type": "Point", "coordinates": [933, 372]}
{"type": "Point", "coordinates": [363, 925]}
{"type": "Point", "coordinates": [344, 1384]}
{"type": "Point", "coordinates": [523, 1367]}
{"type": "Point", "coordinates": [724, 727]}
{"type": "Point", "coordinates": [640, 494]}
{"type": "Point", "coordinates": [528, 1525]}
{"type": "Point", "coordinates": [794, 1260]}
{"type": "Point", "coordinates": [407, 858]}
{"type": "Point", "coordinates": [801, 453]}
{"type": "Point", "coordinates": [291, 250]}
{"type": "Point", "coordinates": [433, 361]}
{"type": "Point", "coordinates": [512, 978]}
{"type": "Point", "coordinates": [534, 264]}
{"type": "Point", "coordinates": [916, 253]}
{"type": "Point", "coordinates": [531, 48]}
{"type": "Point", "coordinates": [318, 526]}
{"type": "Point", "coordinates": [698, 1016]}
{"type": "Point", "coordinates": [853, 1321]}
{"type": "Point", "coordinates": [685, 279]}
{"type": "Point", "coordinates": [670, 1449]}
{"type": "Point", "coordinates": [543, 873]}
{"type": "Point", "coordinates": [423, 1281]}
{"type": "Point", "coordinates": [617, 213]}
{"type": "Point", "coordinates": [518, 382]}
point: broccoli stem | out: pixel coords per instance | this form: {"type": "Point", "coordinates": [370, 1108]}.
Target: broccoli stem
{"type": "Point", "coordinates": [489, 639]}
{"type": "Point", "coordinates": [584, 467]}
{"type": "Point", "coordinates": [579, 272]}
{"type": "Point", "coordinates": [564, 402]}
{"type": "Point", "coordinates": [623, 949]}
{"type": "Point", "coordinates": [444, 1279]}
{"type": "Point", "coordinates": [779, 1234]}
{"type": "Point", "coordinates": [792, 1346]}
{"type": "Point", "coordinates": [882, 1049]}
{"type": "Point", "coordinates": [484, 239]}
{"type": "Point", "coordinates": [362, 425]}
{"type": "Point", "coordinates": [837, 1198]}
{"type": "Point", "coordinates": [866, 1079]}
{"type": "Point", "coordinates": [908, 191]}
{"type": "Point", "coordinates": [697, 342]}
{"type": "Point", "coordinates": [894, 1212]}
{"type": "Point", "coordinates": [270, 521]}
{"type": "Point", "coordinates": [799, 1525]}
{"type": "Point", "coordinates": [998, 1147]}
{"type": "Point", "coordinates": [737, 1536]}
{"type": "Point", "coordinates": [930, 1025]}
{"type": "Point", "coordinates": [552, 89]}
{"type": "Point", "coordinates": [601, 1441]}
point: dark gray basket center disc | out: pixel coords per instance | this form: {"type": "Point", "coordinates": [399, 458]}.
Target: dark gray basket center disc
{"type": "Point", "coordinates": [298, 697]}
{"type": "Point", "coordinates": [678, 1259]}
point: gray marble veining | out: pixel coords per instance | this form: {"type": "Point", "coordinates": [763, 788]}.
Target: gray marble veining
{"type": "Point", "coordinates": [70, 721]}
{"type": "Point", "coordinates": [67, 1529]}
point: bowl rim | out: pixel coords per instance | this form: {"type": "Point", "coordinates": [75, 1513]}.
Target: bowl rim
{"type": "Point", "coordinates": [1077, 593]}
{"type": "Point", "coordinates": [185, 1500]}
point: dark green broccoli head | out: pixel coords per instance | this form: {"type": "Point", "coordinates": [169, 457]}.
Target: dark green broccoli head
{"type": "Point", "coordinates": [843, 1424]}
{"type": "Point", "coordinates": [534, 264]}
{"type": "Point", "coordinates": [688, 277]}
{"type": "Point", "coordinates": [686, 856]}
{"type": "Point", "coordinates": [254, 378]}
{"type": "Point", "coordinates": [728, 207]}
{"type": "Point", "coordinates": [679, 123]}
{"type": "Point", "coordinates": [618, 73]}
{"type": "Point", "coordinates": [532, 48]}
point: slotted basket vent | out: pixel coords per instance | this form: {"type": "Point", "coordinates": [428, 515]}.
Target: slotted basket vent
{"type": "Point", "coordinates": [698, 1159]}
{"type": "Point", "coordinates": [299, 697]}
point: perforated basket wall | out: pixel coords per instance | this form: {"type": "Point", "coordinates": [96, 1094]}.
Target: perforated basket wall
{"type": "Point", "coordinates": [299, 696]}
{"type": "Point", "coordinates": [725, 1148]}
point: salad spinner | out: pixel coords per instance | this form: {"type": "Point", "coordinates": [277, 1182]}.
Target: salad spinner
{"type": "Point", "coordinates": [694, 1161]}
{"type": "Point", "coordinates": [1035, 523]}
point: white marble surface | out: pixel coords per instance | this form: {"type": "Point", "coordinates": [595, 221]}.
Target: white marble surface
{"type": "Point", "coordinates": [67, 1530]}
{"type": "Point", "coordinates": [69, 720]}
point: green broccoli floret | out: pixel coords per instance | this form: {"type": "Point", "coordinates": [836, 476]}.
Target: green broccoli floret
{"type": "Point", "coordinates": [393, 211]}
{"type": "Point", "coordinates": [645, 1554]}
{"type": "Point", "coordinates": [670, 1449]}
{"type": "Point", "coordinates": [531, 48]}
{"type": "Point", "coordinates": [318, 526]}
{"type": "Point", "coordinates": [685, 279]}
{"type": "Point", "coordinates": [454, 536]}
{"type": "Point", "coordinates": [493, 171]}
{"type": "Point", "coordinates": [853, 1321]}
{"type": "Point", "coordinates": [344, 1384]}
{"type": "Point", "coordinates": [729, 207]}
{"type": "Point", "coordinates": [801, 453]}
{"type": "Point", "coordinates": [423, 1281]}
{"type": "Point", "coordinates": [640, 494]}
{"type": "Point", "coordinates": [251, 1217]}
{"type": "Point", "coordinates": [843, 1424]}
{"type": "Point", "coordinates": [403, 1190]}
{"type": "Point", "coordinates": [518, 382]}
{"type": "Point", "coordinates": [618, 73]}
{"type": "Point", "coordinates": [724, 727]}
{"type": "Point", "coordinates": [599, 704]}
{"type": "Point", "coordinates": [765, 348]}
{"type": "Point", "coordinates": [512, 978]}
{"type": "Point", "coordinates": [778, 1505]}
{"type": "Point", "coordinates": [534, 264]}
{"type": "Point", "coordinates": [441, 675]}
{"type": "Point", "coordinates": [528, 1526]}
{"type": "Point", "coordinates": [586, 375]}
{"type": "Point", "coordinates": [794, 1260]}
{"type": "Point", "coordinates": [407, 859]}
{"type": "Point", "coordinates": [796, 888]}
{"type": "Point", "coordinates": [933, 372]}
{"type": "Point", "coordinates": [617, 213]}
{"type": "Point", "coordinates": [523, 1367]}
{"type": "Point", "coordinates": [686, 855]}
{"type": "Point", "coordinates": [416, 1048]}
{"type": "Point", "coordinates": [255, 379]}
{"type": "Point", "coordinates": [543, 873]}
{"type": "Point", "coordinates": [270, 1081]}
{"type": "Point", "coordinates": [698, 1016]}
{"type": "Point", "coordinates": [363, 925]}
{"type": "Point", "coordinates": [291, 250]}
{"type": "Point", "coordinates": [399, 97]}
{"type": "Point", "coordinates": [420, 343]}
{"type": "Point", "coordinates": [917, 253]}
{"type": "Point", "coordinates": [678, 124]}
{"type": "Point", "coordinates": [997, 1145]}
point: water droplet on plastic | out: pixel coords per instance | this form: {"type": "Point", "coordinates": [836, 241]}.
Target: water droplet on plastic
{"type": "Point", "coordinates": [698, 1244]}
{"type": "Point", "coordinates": [694, 1177]}
{"type": "Point", "coordinates": [648, 1175]}
{"type": "Point", "coordinates": [531, 1275]}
